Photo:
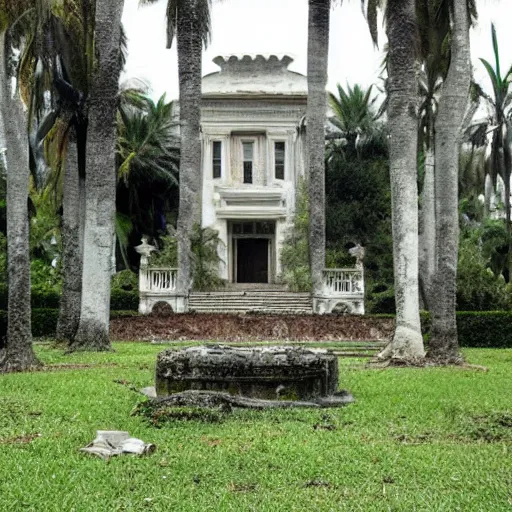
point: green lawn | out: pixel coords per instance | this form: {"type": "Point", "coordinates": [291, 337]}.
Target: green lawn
{"type": "Point", "coordinates": [416, 439]}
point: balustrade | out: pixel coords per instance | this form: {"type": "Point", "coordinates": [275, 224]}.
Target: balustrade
{"type": "Point", "coordinates": [159, 280]}
{"type": "Point", "coordinates": [343, 281]}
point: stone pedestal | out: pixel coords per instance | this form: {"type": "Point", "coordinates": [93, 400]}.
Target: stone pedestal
{"type": "Point", "coordinates": [270, 373]}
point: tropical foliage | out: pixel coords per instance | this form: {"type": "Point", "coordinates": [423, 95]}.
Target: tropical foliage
{"type": "Point", "coordinates": [354, 115]}
{"type": "Point", "coordinates": [205, 256]}
{"type": "Point", "coordinates": [148, 163]}
{"type": "Point", "coordinates": [296, 273]}
{"type": "Point", "coordinates": [499, 125]}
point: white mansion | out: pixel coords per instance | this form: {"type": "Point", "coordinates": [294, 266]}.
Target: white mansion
{"type": "Point", "coordinates": [253, 157]}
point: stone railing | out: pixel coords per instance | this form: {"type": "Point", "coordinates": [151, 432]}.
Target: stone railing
{"type": "Point", "coordinates": [342, 290]}
{"type": "Point", "coordinates": [157, 284]}
{"type": "Point", "coordinates": [158, 279]}
{"type": "Point", "coordinates": [343, 281]}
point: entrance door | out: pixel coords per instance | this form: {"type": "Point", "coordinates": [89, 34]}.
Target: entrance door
{"type": "Point", "coordinates": [252, 260]}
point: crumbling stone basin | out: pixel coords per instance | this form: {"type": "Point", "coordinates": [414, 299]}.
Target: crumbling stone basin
{"type": "Point", "coordinates": [269, 373]}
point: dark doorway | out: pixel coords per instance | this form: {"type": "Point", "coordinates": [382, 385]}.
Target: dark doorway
{"type": "Point", "coordinates": [252, 260]}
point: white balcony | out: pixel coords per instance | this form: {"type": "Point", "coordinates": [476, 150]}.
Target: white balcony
{"type": "Point", "coordinates": [250, 203]}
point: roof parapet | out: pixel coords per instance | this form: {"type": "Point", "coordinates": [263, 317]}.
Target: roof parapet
{"type": "Point", "coordinates": [235, 64]}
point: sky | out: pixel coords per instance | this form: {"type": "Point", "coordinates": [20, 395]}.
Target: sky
{"type": "Point", "coordinates": [280, 27]}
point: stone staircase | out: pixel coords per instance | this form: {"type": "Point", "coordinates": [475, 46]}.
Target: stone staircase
{"type": "Point", "coordinates": [269, 301]}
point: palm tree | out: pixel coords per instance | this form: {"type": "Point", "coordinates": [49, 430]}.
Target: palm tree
{"type": "Point", "coordinates": [500, 120]}
{"type": "Point", "coordinates": [148, 161]}
{"type": "Point", "coordinates": [72, 230]}
{"type": "Point", "coordinates": [444, 119]}
{"type": "Point", "coordinates": [318, 51]}
{"type": "Point", "coordinates": [18, 353]}
{"type": "Point", "coordinates": [354, 115]}
{"type": "Point", "coordinates": [189, 20]}
{"type": "Point", "coordinates": [402, 32]}
{"type": "Point", "coordinates": [65, 143]}
{"type": "Point", "coordinates": [429, 86]}
{"type": "Point", "coordinates": [443, 346]}
{"type": "Point", "coordinates": [92, 333]}
{"type": "Point", "coordinates": [66, 151]}
{"type": "Point", "coordinates": [435, 29]}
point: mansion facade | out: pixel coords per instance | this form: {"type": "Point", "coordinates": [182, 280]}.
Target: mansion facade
{"type": "Point", "coordinates": [253, 160]}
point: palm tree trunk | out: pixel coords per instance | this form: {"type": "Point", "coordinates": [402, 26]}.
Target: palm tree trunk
{"type": "Point", "coordinates": [443, 346]}
{"type": "Point", "coordinates": [427, 238]}
{"type": "Point", "coordinates": [507, 159]}
{"type": "Point", "coordinates": [93, 329]}
{"type": "Point", "coordinates": [18, 353]}
{"type": "Point", "coordinates": [407, 343]}
{"type": "Point", "coordinates": [72, 250]}
{"type": "Point", "coordinates": [189, 68]}
{"type": "Point", "coordinates": [318, 52]}
{"type": "Point", "coordinates": [488, 195]}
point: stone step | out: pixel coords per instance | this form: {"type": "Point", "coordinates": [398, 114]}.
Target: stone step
{"type": "Point", "coordinates": [242, 301]}
{"type": "Point", "coordinates": [264, 305]}
{"type": "Point", "coordinates": [285, 295]}
{"type": "Point", "coordinates": [250, 304]}
{"type": "Point", "coordinates": [249, 301]}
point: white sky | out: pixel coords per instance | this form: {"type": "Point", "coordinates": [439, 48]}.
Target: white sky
{"type": "Point", "coordinates": [280, 26]}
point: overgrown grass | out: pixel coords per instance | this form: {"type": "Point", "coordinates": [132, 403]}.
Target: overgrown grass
{"type": "Point", "coordinates": [416, 439]}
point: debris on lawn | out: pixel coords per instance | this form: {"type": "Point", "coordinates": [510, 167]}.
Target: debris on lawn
{"type": "Point", "coordinates": [149, 391]}
{"type": "Point", "coordinates": [116, 442]}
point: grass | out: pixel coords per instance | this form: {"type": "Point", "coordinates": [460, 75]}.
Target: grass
{"type": "Point", "coordinates": [416, 439]}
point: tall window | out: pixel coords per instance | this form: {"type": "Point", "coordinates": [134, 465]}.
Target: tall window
{"type": "Point", "coordinates": [217, 158]}
{"type": "Point", "coordinates": [248, 158]}
{"type": "Point", "coordinates": [279, 160]}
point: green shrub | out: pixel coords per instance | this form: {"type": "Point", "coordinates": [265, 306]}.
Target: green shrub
{"type": "Point", "coordinates": [478, 329]}
{"type": "Point", "coordinates": [296, 272]}
{"type": "Point", "coordinates": [124, 300]}
{"type": "Point", "coordinates": [205, 243]}
{"type": "Point", "coordinates": [336, 258]}
{"type": "Point", "coordinates": [123, 314]}
{"type": "Point", "coordinates": [3, 258]}
{"type": "Point", "coordinates": [50, 299]}
{"type": "Point", "coordinates": [44, 322]}
{"type": "Point", "coordinates": [167, 253]}
{"type": "Point", "coordinates": [3, 327]}
{"type": "Point", "coordinates": [44, 276]}
{"type": "Point", "coordinates": [45, 298]}
{"type": "Point", "coordinates": [40, 297]}
{"type": "Point", "coordinates": [125, 280]}
{"type": "Point", "coordinates": [485, 329]}
{"type": "Point", "coordinates": [478, 287]}
{"type": "Point", "coordinates": [381, 302]}
{"type": "Point", "coordinates": [3, 296]}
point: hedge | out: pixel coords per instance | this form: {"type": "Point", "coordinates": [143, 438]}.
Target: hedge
{"type": "Point", "coordinates": [120, 300]}
{"type": "Point", "coordinates": [44, 321]}
{"type": "Point", "coordinates": [488, 329]}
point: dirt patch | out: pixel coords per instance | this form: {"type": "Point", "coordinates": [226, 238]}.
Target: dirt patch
{"type": "Point", "coordinates": [28, 438]}
{"type": "Point", "coordinates": [73, 366]}
{"type": "Point", "coordinates": [494, 427]}
{"type": "Point", "coordinates": [236, 328]}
